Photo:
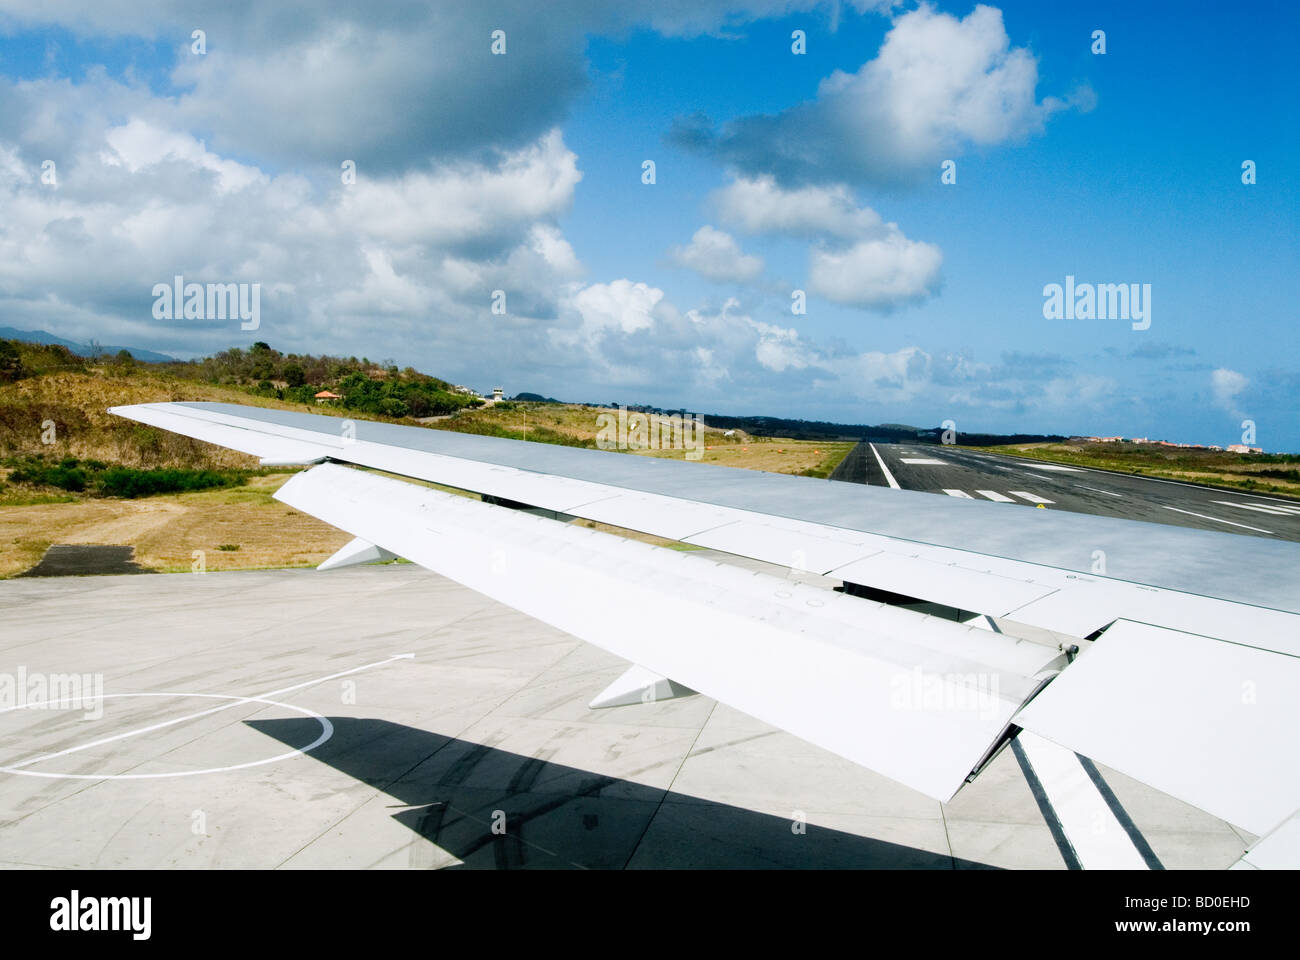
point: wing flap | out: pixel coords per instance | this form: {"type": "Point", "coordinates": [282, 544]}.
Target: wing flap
{"type": "Point", "coordinates": [916, 698]}
{"type": "Point", "coordinates": [1208, 722]}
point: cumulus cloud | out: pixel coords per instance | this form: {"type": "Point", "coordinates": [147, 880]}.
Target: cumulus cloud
{"type": "Point", "coordinates": [856, 258]}
{"type": "Point", "coordinates": [138, 203]}
{"type": "Point", "coordinates": [465, 202]}
{"type": "Point", "coordinates": [716, 256]}
{"type": "Point", "coordinates": [317, 82]}
{"type": "Point", "coordinates": [779, 349]}
{"type": "Point", "coordinates": [232, 174]}
{"type": "Point", "coordinates": [938, 85]}
{"type": "Point", "coordinates": [1227, 385]}
{"type": "Point", "coordinates": [880, 273]}
{"type": "Point", "coordinates": [724, 355]}
{"type": "Point", "coordinates": [759, 205]}
{"type": "Point", "coordinates": [621, 306]}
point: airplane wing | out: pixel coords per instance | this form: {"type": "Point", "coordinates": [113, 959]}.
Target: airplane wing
{"type": "Point", "coordinates": [1179, 665]}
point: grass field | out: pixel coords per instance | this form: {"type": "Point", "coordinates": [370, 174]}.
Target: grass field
{"type": "Point", "coordinates": [166, 530]}
{"type": "Point", "coordinates": [1275, 475]}
{"type": "Point", "coordinates": [256, 530]}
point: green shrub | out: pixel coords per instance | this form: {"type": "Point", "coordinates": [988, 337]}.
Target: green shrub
{"type": "Point", "coordinates": [131, 483]}
{"type": "Point", "coordinates": [66, 475]}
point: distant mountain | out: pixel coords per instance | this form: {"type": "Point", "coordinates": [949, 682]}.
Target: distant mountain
{"type": "Point", "coordinates": [82, 349]}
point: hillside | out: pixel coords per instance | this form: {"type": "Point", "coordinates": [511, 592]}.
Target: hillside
{"type": "Point", "coordinates": [105, 480]}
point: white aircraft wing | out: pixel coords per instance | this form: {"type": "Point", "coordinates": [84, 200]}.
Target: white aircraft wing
{"type": "Point", "coordinates": [1187, 672]}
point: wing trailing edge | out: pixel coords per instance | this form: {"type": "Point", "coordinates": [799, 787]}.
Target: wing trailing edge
{"type": "Point", "coordinates": [919, 699]}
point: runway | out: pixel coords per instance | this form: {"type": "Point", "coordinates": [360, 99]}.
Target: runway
{"type": "Point", "coordinates": [953, 472]}
{"type": "Point", "coordinates": [386, 717]}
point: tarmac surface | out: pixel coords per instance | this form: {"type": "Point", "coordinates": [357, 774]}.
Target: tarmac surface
{"type": "Point", "coordinates": [78, 559]}
{"type": "Point", "coordinates": [442, 729]}
{"type": "Point", "coordinates": [947, 470]}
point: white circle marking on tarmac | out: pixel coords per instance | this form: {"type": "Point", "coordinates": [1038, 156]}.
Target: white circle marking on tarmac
{"type": "Point", "coordinates": [327, 731]}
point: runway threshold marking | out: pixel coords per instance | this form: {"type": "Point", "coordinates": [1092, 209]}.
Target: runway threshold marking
{"type": "Point", "coordinates": [1032, 498]}
{"type": "Point", "coordinates": [204, 713]}
{"type": "Point", "coordinates": [1231, 523]}
{"type": "Point", "coordinates": [1099, 840]}
{"type": "Point", "coordinates": [995, 496]}
{"type": "Point", "coordinates": [1275, 511]}
{"type": "Point", "coordinates": [959, 493]}
{"type": "Point", "coordinates": [889, 477]}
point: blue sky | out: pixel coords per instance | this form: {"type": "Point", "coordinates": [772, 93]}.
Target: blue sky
{"type": "Point", "coordinates": [774, 173]}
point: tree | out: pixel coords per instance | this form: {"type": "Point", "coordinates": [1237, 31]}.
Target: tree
{"type": "Point", "coordinates": [294, 375]}
{"type": "Point", "coordinates": [11, 362]}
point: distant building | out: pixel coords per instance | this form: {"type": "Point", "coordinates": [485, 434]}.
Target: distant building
{"type": "Point", "coordinates": [1242, 448]}
{"type": "Point", "coordinates": [497, 394]}
{"type": "Point", "coordinates": [325, 395]}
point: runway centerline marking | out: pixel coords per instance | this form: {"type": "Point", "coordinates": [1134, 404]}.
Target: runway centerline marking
{"type": "Point", "coordinates": [202, 713]}
{"type": "Point", "coordinates": [889, 477]}
{"type": "Point", "coordinates": [928, 461]}
{"type": "Point", "coordinates": [1230, 523]}
{"type": "Point", "coordinates": [1108, 493]}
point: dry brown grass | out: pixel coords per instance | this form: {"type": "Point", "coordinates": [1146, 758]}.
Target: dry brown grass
{"type": "Point", "coordinates": [740, 450]}
{"type": "Point", "coordinates": [166, 530]}
{"type": "Point", "coordinates": [78, 404]}
{"type": "Point", "coordinates": [571, 420]}
{"type": "Point", "coordinates": [772, 455]}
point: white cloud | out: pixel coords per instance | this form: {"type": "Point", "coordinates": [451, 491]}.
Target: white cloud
{"type": "Point", "coordinates": [139, 144]}
{"type": "Point", "coordinates": [1227, 384]}
{"type": "Point", "coordinates": [464, 202]}
{"type": "Point", "coordinates": [387, 84]}
{"type": "Point", "coordinates": [880, 273]}
{"type": "Point", "coordinates": [759, 205]}
{"type": "Point", "coordinates": [619, 306]}
{"type": "Point", "coordinates": [716, 256]}
{"type": "Point", "coordinates": [779, 349]}
{"type": "Point", "coordinates": [415, 256]}
{"type": "Point", "coordinates": [859, 260]}
{"type": "Point", "coordinates": [937, 86]}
